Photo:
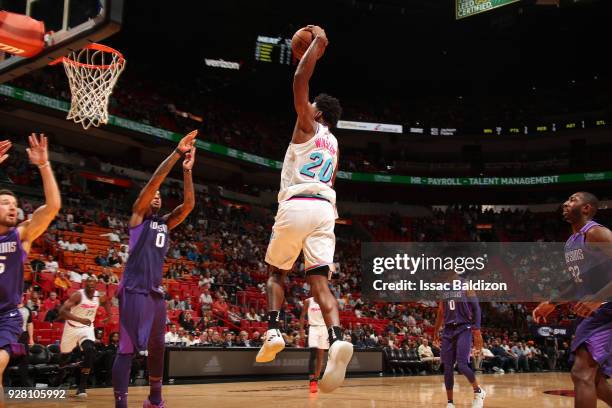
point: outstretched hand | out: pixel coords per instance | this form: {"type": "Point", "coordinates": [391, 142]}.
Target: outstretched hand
{"type": "Point", "coordinates": [189, 159]}
{"type": "Point", "coordinates": [5, 145]}
{"type": "Point", "coordinates": [38, 152]}
{"type": "Point", "coordinates": [187, 142]}
{"type": "Point", "coordinates": [541, 312]}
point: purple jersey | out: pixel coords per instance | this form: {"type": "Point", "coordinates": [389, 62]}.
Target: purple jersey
{"type": "Point", "coordinates": [12, 257]}
{"type": "Point", "coordinates": [591, 269]}
{"type": "Point", "coordinates": [457, 309]}
{"type": "Point", "coordinates": [148, 247]}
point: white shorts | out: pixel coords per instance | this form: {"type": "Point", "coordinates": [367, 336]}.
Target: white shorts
{"type": "Point", "coordinates": [318, 337]}
{"type": "Point", "coordinates": [72, 337]}
{"type": "Point", "coordinates": [303, 225]}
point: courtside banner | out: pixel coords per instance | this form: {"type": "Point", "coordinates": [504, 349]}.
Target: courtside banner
{"type": "Point", "coordinates": [370, 127]}
{"type": "Point", "coordinates": [466, 8]}
{"type": "Point", "coordinates": [491, 271]}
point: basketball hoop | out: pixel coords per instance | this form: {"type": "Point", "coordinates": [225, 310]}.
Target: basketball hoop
{"type": "Point", "coordinates": [92, 73]}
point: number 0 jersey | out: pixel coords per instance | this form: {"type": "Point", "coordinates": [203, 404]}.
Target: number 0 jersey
{"type": "Point", "coordinates": [149, 243]}
{"type": "Point", "coordinates": [309, 167]}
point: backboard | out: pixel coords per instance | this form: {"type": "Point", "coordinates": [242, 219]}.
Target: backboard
{"type": "Point", "coordinates": [71, 25]}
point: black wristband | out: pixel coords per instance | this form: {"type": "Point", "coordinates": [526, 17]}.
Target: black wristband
{"type": "Point", "coordinates": [177, 151]}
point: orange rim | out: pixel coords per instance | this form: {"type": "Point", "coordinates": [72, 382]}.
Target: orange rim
{"type": "Point", "coordinates": [97, 47]}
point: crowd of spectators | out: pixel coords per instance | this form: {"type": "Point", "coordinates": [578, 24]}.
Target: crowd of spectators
{"type": "Point", "coordinates": [237, 122]}
{"type": "Point", "coordinates": [218, 252]}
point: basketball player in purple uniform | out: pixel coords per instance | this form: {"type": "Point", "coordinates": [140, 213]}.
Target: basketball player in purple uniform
{"type": "Point", "coordinates": [461, 316]}
{"type": "Point", "coordinates": [15, 244]}
{"type": "Point", "coordinates": [591, 269]}
{"type": "Point", "coordinates": [142, 309]}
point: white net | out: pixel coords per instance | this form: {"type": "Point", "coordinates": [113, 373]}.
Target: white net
{"type": "Point", "coordinates": [92, 73]}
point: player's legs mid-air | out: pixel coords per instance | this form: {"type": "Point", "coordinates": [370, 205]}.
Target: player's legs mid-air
{"type": "Point", "coordinates": [305, 225]}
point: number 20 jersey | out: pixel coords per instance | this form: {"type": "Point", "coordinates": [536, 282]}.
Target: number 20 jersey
{"type": "Point", "coordinates": [149, 244]}
{"type": "Point", "coordinates": [309, 167]}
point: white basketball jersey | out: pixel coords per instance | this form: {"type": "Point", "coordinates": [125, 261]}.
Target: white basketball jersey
{"type": "Point", "coordinates": [87, 309]}
{"type": "Point", "coordinates": [315, 316]}
{"type": "Point", "coordinates": [309, 167]}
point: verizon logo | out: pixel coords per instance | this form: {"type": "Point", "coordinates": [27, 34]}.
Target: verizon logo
{"type": "Point", "coordinates": [221, 64]}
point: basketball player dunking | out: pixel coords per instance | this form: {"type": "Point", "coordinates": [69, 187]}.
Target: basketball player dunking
{"type": "Point", "coordinates": [318, 339]}
{"type": "Point", "coordinates": [15, 244]}
{"type": "Point", "coordinates": [142, 309]}
{"type": "Point", "coordinates": [591, 269]}
{"type": "Point", "coordinates": [79, 313]}
{"type": "Point", "coordinates": [460, 312]}
{"type": "Point", "coordinates": [306, 216]}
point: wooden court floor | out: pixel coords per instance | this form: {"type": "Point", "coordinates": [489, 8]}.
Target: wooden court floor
{"type": "Point", "coordinates": [509, 390]}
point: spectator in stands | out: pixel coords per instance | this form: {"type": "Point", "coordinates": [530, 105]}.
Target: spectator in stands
{"type": "Point", "coordinates": [123, 253]}
{"type": "Point", "coordinates": [234, 315]}
{"type": "Point", "coordinates": [220, 307]}
{"type": "Point", "coordinates": [172, 335]}
{"type": "Point", "coordinates": [534, 356]}
{"type": "Point", "coordinates": [52, 314]}
{"type": "Point", "coordinates": [192, 339]}
{"type": "Point", "coordinates": [243, 340]}
{"type": "Point", "coordinates": [216, 340]}
{"type": "Point", "coordinates": [186, 321]}
{"type": "Point", "coordinates": [34, 303]}
{"type": "Point", "coordinates": [64, 243]}
{"type": "Point", "coordinates": [506, 361]}
{"type": "Point", "coordinates": [75, 276]}
{"type": "Point", "coordinates": [38, 264]}
{"type": "Point", "coordinates": [205, 297]}
{"type": "Point", "coordinates": [62, 284]}
{"type": "Point", "coordinates": [79, 246]}
{"type": "Point", "coordinates": [113, 258]}
{"type": "Point", "coordinates": [113, 236]}
{"type": "Point", "coordinates": [252, 315]}
{"type": "Point", "coordinates": [204, 340]}
{"type": "Point", "coordinates": [51, 265]}
{"type": "Point", "coordinates": [187, 305]}
{"type": "Point", "coordinates": [229, 340]}
{"type": "Point", "coordinates": [51, 302]}
{"type": "Point", "coordinates": [521, 353]}
{"type": "Point", "coordinates": [176, 303]}
{"type": "Point", "coordinates": [112, 276]}
{"type": "Point", "coordinates": [101, 260]}
{"type": "Point", "coordinates": [206, 279]}
{"type": "Point", "coordinates": [256, 340]}
{"type": "Point", "coordinates": [426, 355]}
{"type": "Point", "coordinates": [108, 357]}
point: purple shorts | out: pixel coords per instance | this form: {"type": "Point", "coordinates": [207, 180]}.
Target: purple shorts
{"type": "Point", "coordinates": [456, 344]}
{"type": "Point", "coordinates": [11, 327]}
{"type": "Point", "coordinates": [595, 333]}
{"type": "Point", "coordinates": [142, 319]}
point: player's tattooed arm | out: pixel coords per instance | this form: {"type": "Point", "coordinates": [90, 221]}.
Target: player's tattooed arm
{"type": "Point", "coordinates": [143, 202]}
{"type": "Point", "coordinates": [182, 211]}
{"type": "Point", "coordinates": [305, 125]}
{"type": "Point", "coordinates": [41, 218]}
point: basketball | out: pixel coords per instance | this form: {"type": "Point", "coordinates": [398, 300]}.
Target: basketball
{"type": "Point", "coordinates": [301, 41]}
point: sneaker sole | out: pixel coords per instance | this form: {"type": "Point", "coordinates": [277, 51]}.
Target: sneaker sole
{"type": "Point", "coordinates": [334, 377]}
{"type": "Point", "coordinates": [270, 353]}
